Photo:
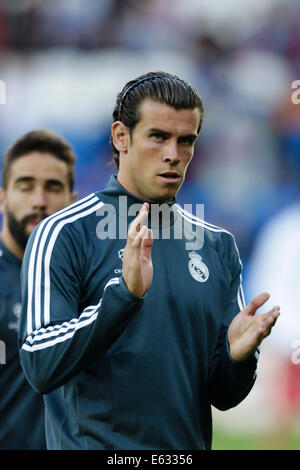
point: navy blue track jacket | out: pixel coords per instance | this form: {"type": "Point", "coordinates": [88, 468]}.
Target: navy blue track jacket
{"type": "Point", "coordinates": [120, 371]}
{"type": "Point", "coordinates": [22, 417]}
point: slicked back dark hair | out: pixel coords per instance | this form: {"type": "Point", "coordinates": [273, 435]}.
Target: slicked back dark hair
{"type": "Point", "coordinates": [159, 86]}
{"type": "Point", "coordinates": [44, 141]}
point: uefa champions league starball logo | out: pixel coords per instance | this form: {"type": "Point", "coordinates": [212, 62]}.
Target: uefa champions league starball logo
{"type": "Point", "coordinates": [121, 253]}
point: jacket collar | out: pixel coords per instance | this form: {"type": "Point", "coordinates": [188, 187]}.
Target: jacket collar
{"type": "Point", "coordinates": [9, 255]}
{"type": "Point", "coordinates": [127, 204]}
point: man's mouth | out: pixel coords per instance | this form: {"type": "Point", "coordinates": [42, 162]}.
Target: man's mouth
{"type": "Point", "coordinates": [34, 220]}
{"type": "Point", "coordinates": [170, 176]}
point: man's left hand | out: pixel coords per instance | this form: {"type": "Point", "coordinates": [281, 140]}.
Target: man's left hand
{"type": "Point", "coordinates": [247, 330]}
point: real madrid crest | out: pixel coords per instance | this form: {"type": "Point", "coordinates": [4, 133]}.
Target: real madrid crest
{"type": "Point", "coordinates": [199, 271]}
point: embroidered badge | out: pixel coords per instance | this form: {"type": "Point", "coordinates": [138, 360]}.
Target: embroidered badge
{"type": "Point", "coordinates": [198, 270]}
{"type": "Point", "coordinates": [17, 313]}
{"type": "Point", "coordinates": [120, 254]}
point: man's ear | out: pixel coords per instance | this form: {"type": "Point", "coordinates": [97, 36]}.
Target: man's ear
{"type": "Point", "coordinates": [120, 136]}
{"type": "Point", "coordinates": [2, 199]}
{"type": "Point", "coordinates": [74, 196]}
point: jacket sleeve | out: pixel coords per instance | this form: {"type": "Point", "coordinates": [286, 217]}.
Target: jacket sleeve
{"type": "Point", "coordinates": [56, 339]}
{"type": "Point", "coordinates": [230, 381]}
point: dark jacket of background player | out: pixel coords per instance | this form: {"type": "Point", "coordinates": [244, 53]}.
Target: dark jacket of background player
{"type": "Point", "coordinates": [37, 177]}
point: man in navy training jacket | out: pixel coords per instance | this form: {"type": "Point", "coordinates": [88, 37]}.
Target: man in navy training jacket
{"type": "Point", "coordinates": [37, 181]}
{"type": "Point", "coordinates": [133, 338]}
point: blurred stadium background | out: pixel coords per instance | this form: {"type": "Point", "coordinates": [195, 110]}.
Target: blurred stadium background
{"type": "Point", "coordinates": [64, 61]}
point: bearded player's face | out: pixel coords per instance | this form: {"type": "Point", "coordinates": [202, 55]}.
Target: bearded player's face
{"type": "Point", "coordinates": [37, 187]}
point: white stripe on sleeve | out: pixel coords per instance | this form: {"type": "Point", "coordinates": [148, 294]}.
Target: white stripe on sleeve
{"type": "Point", "coordinates": [68, 215]}
{"type": "Point", "coordinates": [46, 337]}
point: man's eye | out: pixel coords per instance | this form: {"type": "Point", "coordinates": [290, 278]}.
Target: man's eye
{"type": "Point", "coordinates": [25, 187]}
{"type": "Point", "coordinates": [186, 141]}
{"type": "Point", "coordinates": [54, 189]}
{"type": "Point", "coordinates": [157, 136]}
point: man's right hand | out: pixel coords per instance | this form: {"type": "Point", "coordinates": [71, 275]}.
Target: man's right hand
{"type": "Point", "coordinates": [137, 261]}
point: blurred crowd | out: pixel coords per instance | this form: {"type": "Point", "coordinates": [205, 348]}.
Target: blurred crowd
{"type": "Point", "coordinates": [241, 60]}
{"type": "Point", "coordinates": [64, 61]}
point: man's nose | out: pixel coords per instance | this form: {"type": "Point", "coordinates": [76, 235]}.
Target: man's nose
{"type": "Point", "coordinates": [171, 153]}
{"type": "Point", "coordinates": [39, 199]}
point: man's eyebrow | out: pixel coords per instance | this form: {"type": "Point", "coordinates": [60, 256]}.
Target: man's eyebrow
{"type": "Point", "coordinates": [154, 130]}
{"type": "Point", "coordinates": [158, 131]}
{"type": "Point", "coordinates": [190, 136]}
{"type": "Point", "coordinates": [24, 179]}
{"type": "Point", "coordinates": [30, 179]}
{"type": "Point", "coordinates": [53, 181]}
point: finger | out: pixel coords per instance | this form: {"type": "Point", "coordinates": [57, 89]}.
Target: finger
{"type": "Point", "coordinates": [147, 243]}
{"type": "Point", "coordinates": [149, 235]}
{"type": "Point", "coordinates": [136, 242]}
{"type": "Point", "coordinates": [274, 311]}
{"type": "Point", "coordinates": [268, 322]}
{"type": "Point", "coordinates": [138, 222]}
{"type": "Point", "coordinates": [143, 237]}
{"type": "Point", "coordinates": [256, 303]}
{"type": "Point", "coordinates": [268, 328]}
{"type": "Point", "coordinates": [272, 315]}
